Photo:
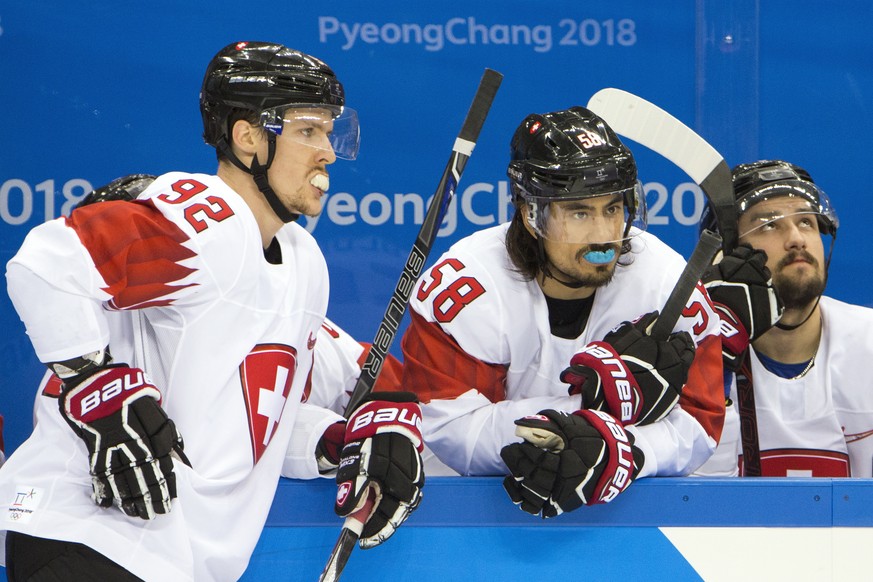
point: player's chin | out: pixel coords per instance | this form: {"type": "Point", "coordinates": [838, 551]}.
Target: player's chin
{"type": "Point", "coordinates": [799, 270]}
{"type": "Point", "coordinates": [595, 275]}
{"type": "Point", "coordinates": [312, 210]}
{"type": "Point", "coordinates": [312, 204]}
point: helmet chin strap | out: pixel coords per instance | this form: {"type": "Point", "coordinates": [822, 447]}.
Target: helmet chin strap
{"type": "Point", "coordinates": [259, 175]}
{"type": "Point", "coordinates": [792, 327]}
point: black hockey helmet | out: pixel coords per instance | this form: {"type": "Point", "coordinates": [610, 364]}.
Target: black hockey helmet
{"type": "Point", "coordinates": [569, 155]}
{"type": "Point", "coordinates": [264, 80]}
{"type": "Point", "coordinates": [125, 188]}
{"type": "Point", "coordinates": [766, 179]}
{"type": "Point", "coordinates": [763, 180]}
{"type": "Point", "coordinates": [262, 76]}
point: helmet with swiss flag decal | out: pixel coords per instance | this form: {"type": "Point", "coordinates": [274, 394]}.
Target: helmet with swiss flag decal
{"type": "Point", "coordinates": [569, 155]}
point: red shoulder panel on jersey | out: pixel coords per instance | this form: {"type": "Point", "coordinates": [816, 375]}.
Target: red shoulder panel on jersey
{"type": "Point", "coordinates": [435, 366]}
{"type": "Point", "coordinates": [136, 249]}
{"type": "Point", "coordinates": [703, 395]}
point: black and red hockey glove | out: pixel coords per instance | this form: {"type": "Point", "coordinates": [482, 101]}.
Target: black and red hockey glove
{"type": "Point", "coordinates": [742, 292]}
{"type": "Point", "coordinates": [632, 376]}
{"type": "Point", "coordinates": [569, 460]}
{"type": "Point", "coordinates": [116, 411]}
{"type": "Point", "coordinates": [382, 453]}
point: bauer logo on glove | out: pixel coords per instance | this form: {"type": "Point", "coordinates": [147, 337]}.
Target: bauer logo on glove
{"type": "Point", "coordinates": [131, 442]}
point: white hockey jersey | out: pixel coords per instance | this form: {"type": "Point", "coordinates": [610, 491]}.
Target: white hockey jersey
{"type": "Point", "coordinates": [176, 283]}
{"type": "Point", "coordinates": [480, 354]}
{"type": "Point", "coordinates": [817, 425]}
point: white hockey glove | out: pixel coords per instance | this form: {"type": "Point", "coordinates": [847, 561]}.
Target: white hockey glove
{"type": "Point", "coordinates": [382, 452]}
{"type": "Point", "coordinates": [116, 411]}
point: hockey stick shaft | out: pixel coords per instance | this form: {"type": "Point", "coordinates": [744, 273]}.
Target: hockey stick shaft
{"type": "Point", "coordinates": [345, 543]}
{"type": "Point", "coordinates": [649, 125]}
{"type": "Point", "coordinates": [461, 151]}
{"type": "Point", "coordinates": [701, 258]}
{"type": "Point", "coordinates": [748, 419]}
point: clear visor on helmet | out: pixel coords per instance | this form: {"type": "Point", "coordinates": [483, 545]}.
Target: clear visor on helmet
{"type": "Point", "coordinates": [334, 129]}
{"type": "Point", "coordinates": [776, 207]}
{"type": "Point", "coordinates": [597, 220]}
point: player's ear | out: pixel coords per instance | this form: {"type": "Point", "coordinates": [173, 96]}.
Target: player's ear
{"type": "Point", "coordinates": [247, 139]}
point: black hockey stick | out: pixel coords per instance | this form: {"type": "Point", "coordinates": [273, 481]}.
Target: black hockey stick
{"type": "Point", "coordinates": [461, 151]}
{"type": "Point", "coordinates": [699, 260]}
{"type": "Point", "coordinates": [463, 148]}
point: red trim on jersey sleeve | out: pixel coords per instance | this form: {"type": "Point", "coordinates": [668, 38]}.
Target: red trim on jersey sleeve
{"type": "Point", "coordinates": [435, 366]}
{"type": "Point", "coordinates": [703, 395]}
{"type": "Point", "coordinates": [136, 249]}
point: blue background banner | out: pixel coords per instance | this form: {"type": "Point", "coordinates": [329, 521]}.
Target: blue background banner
{"type": "Point", "coordinates": [95, 90]}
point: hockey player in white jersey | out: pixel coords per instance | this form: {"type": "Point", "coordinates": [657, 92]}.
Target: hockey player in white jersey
{"type": "Point", "coordinates": [538, 329]}
{"type": "Point", "coordinates": [193, 312]}
{"type": "Point", "coordinates": [812, 405]}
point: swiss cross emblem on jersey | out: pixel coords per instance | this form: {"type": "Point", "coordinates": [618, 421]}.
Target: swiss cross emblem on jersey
{"type": "Point", "coordinates": [266, 376]}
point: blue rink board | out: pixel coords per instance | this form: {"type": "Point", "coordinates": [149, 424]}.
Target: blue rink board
{"type": "Point", "coordinates": [477, 553]}
{"type": "Point", "coordinates": [466, 529]}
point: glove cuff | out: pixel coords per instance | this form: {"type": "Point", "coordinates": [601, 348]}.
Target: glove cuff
{"type": "Point", "coordinates": [622, 394]}
{"type": "Point", "coordinates": [385, 416]}
{"type": "Point", "coordinates": [76, 370]}
{"type": "Point", "coordinates": [621, 467]}
{"type": "Point", "coordinates": [329, 447]}
{"type": "Point", "coordinates": [105, 392]}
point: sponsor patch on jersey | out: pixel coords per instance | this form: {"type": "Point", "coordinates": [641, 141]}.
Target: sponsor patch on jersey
{"type": "Point", "coordinates": [24, 503]}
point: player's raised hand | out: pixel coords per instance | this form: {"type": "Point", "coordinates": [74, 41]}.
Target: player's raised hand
{"type": "Point", "coordinates": [741, 289]}
{"type": "Point", "coordinates": [116, 411]}
{"type": "Point", "coordinates": [631, 375]}
{"type": "Point", "coordinates": [382, 453]}
{"type": "Point", "coordinates": [569, 460]}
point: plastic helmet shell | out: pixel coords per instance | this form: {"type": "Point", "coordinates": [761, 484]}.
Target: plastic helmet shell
{"type": "Point", "coordinates": [257, 76]}
{"type": "Point", "coordinates": [765, 179]}
{"type": "Point", "coordinates": [568, 154]}
{"type": "Point", "coordinates": [125, 188]}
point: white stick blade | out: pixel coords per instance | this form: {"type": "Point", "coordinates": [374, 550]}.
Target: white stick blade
{"type": "Point", "coordinates": [647, 124]}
